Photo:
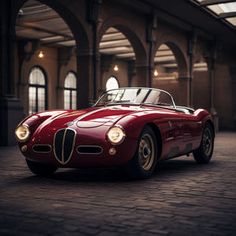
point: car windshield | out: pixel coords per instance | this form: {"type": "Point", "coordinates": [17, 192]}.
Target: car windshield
{"type": "Point", "coordinates": [140, 96]}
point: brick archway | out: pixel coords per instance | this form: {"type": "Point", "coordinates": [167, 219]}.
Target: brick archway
{"type": "Point", "coordinates": [76, 27]}
{"type": "Point", "coordinates": [82, 44]}
{"type": "Point", "coordinates": [179, 56]}
{"type": "Point", "coordinates": [178, 86]}
{"type": "Point", "coordinates": [139, 47]}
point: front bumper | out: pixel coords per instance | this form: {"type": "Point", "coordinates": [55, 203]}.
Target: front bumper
{"type": "Point", "coordinates": [89, 149]}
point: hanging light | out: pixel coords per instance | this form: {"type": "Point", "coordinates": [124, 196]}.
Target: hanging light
{"type": "Point", "coordinates": [116, 68]}
{"type": "Point", "coordinates": [155, 73]}
{"type": "Point", "coordinates": [41, 54]}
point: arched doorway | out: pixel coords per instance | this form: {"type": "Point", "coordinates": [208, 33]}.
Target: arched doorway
{"type": "Point", "coordinates": [169, 68]}
{"type": "Point", "coordinates": [165, 65]}
{"type": "Point", "coordinates": [129, 48]}
{"type": "Point", "coordinates": [47, 35]}
{"type": "Point", "coordinates": [117, 59]}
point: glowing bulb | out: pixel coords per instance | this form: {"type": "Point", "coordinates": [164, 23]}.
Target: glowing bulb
{"type": "Point", "coordinates": [155, 72]}
{"type": "Point", "coordinates": [41, 54]}
{"type": "Point", "coordinates": [115, 68]}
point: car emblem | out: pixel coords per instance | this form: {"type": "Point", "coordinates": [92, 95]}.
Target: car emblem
{"type": "Point", "coordinates": [70, 123]}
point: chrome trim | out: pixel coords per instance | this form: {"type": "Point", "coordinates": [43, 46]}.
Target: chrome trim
{"type": "Point", "coordinates": [161, 90]}
{"type": "Point", "coordinates": [63, 142]}
{"type": "Point", "coordinates": [42, 145]}
{"type": "Point", "coordinates": [96, 146]}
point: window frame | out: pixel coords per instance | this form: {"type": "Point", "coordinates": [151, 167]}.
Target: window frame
{"type": "Point", "coordinates": [37, 86]}
{"type": "Point", "coordinates": [112, 76]}
{"type": "Point", "coordinates": [71, 90]}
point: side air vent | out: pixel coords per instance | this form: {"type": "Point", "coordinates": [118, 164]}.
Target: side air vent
{"type": "Point", "coordinates": [87, 149]}
{"type": "Point", "coordinates": [42, 148]}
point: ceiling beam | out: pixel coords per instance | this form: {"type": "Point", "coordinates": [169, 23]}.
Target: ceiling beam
{"type": "Point", "coordinates": [124, 53]}
{"type": "Point", "coordinates": [116, 50]}
{"type": "Point", "coordinates": [165, 58]}
{"type": "Point", "coordinates": [55, 42]}
{"type": "Point", "coordinates": [129, 54]}
{"type": "Point", "coordinates": [107, 38]}
{"type": "Point", "coordinates": [36, 28]}
{"type": "Point", "coordinates": [128, 47]}
{"type": "Point", "coordinates": [213, 2]}
{"type": "Point", "coordinates": [34, 18]}
{"type": "Point", "coordinates": [163, 63]}
{"type": "Point", "coordinates": [227, 15]}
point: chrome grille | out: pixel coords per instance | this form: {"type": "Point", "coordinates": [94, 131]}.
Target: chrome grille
{"type": "Point", "coordinates": [64, 142]}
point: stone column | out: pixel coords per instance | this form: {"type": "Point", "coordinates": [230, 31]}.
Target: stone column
{"type": "Point", "coordinates": [151, 27]}
{"type": "Point", "coordinates": [211, 58]}
{"type": "Point", "coordinates": [183, 88]}
{"type": "Point", "coordinates": [191, 46]}
{"type": "Point", "coordinates": [93, 16]}
{"type": "Point", "coordinates": [10, 107]}
{"type": "Point", "coordinates": [85, 79]}
{"type": "Point", "coordinates": [233, 78]}
{"type": "Point", "coordinates": [131, 72]}
{"type": "Point", "coordinates": [142, 75]}
{"type": "Point", "coordinates": [105, 64]}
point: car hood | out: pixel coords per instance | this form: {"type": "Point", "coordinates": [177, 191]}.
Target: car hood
{"type": "Point", "coordinates": [93, 117]}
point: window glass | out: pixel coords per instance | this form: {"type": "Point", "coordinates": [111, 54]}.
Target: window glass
{"type": "Point", "coordinates": [112, 83]}
{"type": "Point", "coordinates": [73, 105]}
{"type": "Point", "coordinates": [67, 99]}
{"type": "Point", "coordinates": [70, 80]}
{"type": "Point", "coordinates": [37, 91]}
{"type": "Point", "coordinates": [32, 100]}
{"type": "Point", "coordinates": [37, 76]}
{"type": "Point", "coordinates": [70, 94]}
{"type": "Point", "coordinates": [41, 99]}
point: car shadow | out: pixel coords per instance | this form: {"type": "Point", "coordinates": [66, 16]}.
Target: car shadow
{"type": "Point", "coordinates": [168, 168]}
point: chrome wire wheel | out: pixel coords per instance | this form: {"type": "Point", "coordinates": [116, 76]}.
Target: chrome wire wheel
{"type": "Point", "coordinates": [204, 152]}
{"type": "Point", "coordinates": [143, 163]}
{"type": "Point", "coordinates": [146, 152]}
{"type": "Point", "coordinates": [207, 142]}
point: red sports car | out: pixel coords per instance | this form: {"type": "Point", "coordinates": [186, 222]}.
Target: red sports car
{"type": "Point", "coordinates": [130, 127]}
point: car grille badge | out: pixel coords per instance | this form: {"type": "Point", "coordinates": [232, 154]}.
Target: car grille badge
{"type": "Point", "coordinates": [70, 123]}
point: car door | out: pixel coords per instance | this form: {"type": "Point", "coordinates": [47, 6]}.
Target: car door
{"type": "Point", "coordinates": [190, 129]}
{"type": "Point", "coordinates": [172, 136]}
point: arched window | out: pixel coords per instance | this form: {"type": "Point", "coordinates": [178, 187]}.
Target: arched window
{"type": "Point", "coordinates": [37, 90]}
{"type": "Point", "coordinates": [70, 91]}
{"type": "Point", "coordinates": [112, 83]}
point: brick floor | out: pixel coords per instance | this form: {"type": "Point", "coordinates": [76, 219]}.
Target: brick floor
{"type": "Point", "coordinates": [182, 198]}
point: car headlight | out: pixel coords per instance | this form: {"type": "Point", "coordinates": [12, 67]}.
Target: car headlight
{"type": "Point", "coordinates": [116, 135]}
{"type": "Point", "coordinates": [22, 133]}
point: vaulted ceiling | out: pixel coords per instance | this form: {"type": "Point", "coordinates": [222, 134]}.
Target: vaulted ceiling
{"type": "Point", "coordinates": [38, 21]}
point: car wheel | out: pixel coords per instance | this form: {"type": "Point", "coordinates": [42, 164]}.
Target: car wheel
{"type": "Point", "coordinates": [203, 154]}
{"type": "Point", "coordinates": [144, 161]}
{"type": "Point", "coordinates": [41, 169]}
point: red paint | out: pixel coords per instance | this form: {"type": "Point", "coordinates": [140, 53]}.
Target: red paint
{"type": "Point", "coordinates": [91, 125]}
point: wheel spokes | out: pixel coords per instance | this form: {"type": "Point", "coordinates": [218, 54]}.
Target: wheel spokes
{"type": "Point", "coordinates": [146, 152]}
{"type": "Point", "coordinates": [207, 142]}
